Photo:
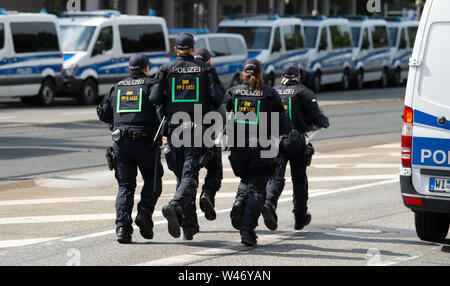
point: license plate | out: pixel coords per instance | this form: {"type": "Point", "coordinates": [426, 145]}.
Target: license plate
{"type": "Point", "coordinates": [440, 185]}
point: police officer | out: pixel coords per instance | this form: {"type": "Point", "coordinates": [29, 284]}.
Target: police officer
{"type": "Point", "coordinates": [134, 122]}
{"type": "Point", "coordinates": [303, 110]}
{"type": "Point", "coordinates": [214, 168]}
{"type": "Point", "coordinates": [184, 85]}
{"type": "Point", "coordinates": [252, 97]}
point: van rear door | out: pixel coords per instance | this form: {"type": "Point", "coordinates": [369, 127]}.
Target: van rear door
{"type": "Point", "coordinates": [431, 104]}
{"type": "Point", "coordinates": [4, 55]}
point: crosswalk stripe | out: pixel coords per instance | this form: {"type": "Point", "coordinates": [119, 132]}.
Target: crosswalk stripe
{"type": "Point", "coordinates": [25, 242]}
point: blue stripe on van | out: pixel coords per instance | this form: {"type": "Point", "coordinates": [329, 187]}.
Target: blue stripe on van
{"type": "Point", "coordinates": [329, 56]}
{"type": "Point", "coordinates": [100, 65]}
{"type": "Point", "coordinates": [372, 55]}
{"type": "Point", "coordinates": [29, 58]}
{"type": "Point", "coordinates": [429, 120]}
{"type": "Point", "coordinates": [282, 58]}
{"type": "Point", "coordinates": [252, 55]}
{"type": "Point", "coordinates": [234, 67]}
{"type": "Point", "coordinates": [402, 58]}
{"type": "Point", "coordinates": [430, 152]}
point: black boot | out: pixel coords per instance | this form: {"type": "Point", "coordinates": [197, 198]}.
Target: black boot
{"type": "Point", "coordinates": [124, 234]}
{"type": "Point", "coordinates": [270, 217]}
{"type": "Point", "coordinates": [188, 233]}
{"type": "Point", "coordinates": [248, 237]}
{"type": "Point", "coordinates": [237, 212]}
{"type": "Point", "coordinates": [145, 223]}
{"type": "Point", "coordinates": [302, 220]}
{"type": "Point", "coordinates": [173, 215]}
{"type": "Point", "coordinates": [207, 206]}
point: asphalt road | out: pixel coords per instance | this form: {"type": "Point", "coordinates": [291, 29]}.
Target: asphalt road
{"type": "Point", "coordinates": [57, 200]}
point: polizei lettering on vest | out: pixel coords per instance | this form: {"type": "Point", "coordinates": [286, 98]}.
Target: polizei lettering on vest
{"type": "Point", "coordinates": [186, 69]}
{"type": "Point", "coordinates": [286, 91]}
{"type": "Point", "coordinates": [246, 92]}
{"type": "Point", "coordinates": [131, 82]}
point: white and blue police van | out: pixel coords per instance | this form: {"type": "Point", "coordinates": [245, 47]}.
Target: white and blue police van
{"type": "Point", "coordinates": [30, 57]}
{"type": "Point", "coordinates": [230, 52]}
{"type": "Point", "coordinates": [274, 41]}
{"type": "Point", "coordinates": [97, 46]}
{"type": "Point", "coordinates": [329, 43]}
{"type": "Point", "coordinates": [402, 34]}
{"type": "Point", "coordinates": [425, 172]}
{"type": "Point", "coordinates": [371, 51]}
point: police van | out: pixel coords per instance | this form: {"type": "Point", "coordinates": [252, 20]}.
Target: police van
{"type": "Point", "coordinates": [402, 35]}
{"type": "Point", "coordinates": [371, 51]}
{"type": "Point", "coordinates": [30, 57]}
{"type": "Point", "coordinates": [274, 41]}
{"type": "Point", "coordinates": [230, 52]}
{"type": "Point", "coordinates": [425, 172]}
{"type": "Point", "coordinates": [330, 53]}
{"type": "Point", "coordinates": [97, 46]}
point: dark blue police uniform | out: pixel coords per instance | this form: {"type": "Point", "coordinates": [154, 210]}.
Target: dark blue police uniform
{"type": "Point", "coordinates": [182, 86]}
{"type": "Point", "coordinates": [247, 162]}
{"type": "Point", "coordinates": [303, 110]}
{"type": "Point", "coordinates": [134, 121]}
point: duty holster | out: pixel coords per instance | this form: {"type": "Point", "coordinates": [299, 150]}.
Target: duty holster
{"type": "Point", "coordinates": [309, 152]}
{"type": "Point", "coordinates": [111, 158]}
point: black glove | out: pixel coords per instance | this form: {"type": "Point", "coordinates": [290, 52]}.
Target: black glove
{"type": "Point", "coordinates": [324, 123]}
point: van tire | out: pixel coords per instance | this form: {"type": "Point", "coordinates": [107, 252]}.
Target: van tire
{"type": "Point", "coordinates": [88, 93]}
{"type": "Point", "coordinates": [316, 82]}
{"type": "Point", "coordinates": [431, 226]}
{"type": "Point", "coordinates": [46, 94]}
{"type": "Point", "coordinates": [345, 82]}
{"type": "Point", "coordinates": [359, 79]}
{"type": "Point", "coordinates": [383, 82]}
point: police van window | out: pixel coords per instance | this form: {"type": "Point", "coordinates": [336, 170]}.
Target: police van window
{"type": "Point", "coordinates": [366, 35]}
{"type": "Point", "coordinates": [340, 37]}
{"type": "Point", "coordinates": [293, 38]}
{"type": "Point", "coordinates": [257, 38]}
{"type": "Point", "coordinates": [311, 36]}
{"type": "Point", "coordinates": [218, 46]}
{"type": "Point", "coordinates": [277, 38]}
{"type": "Point", "coordinates": [236, 46]}
{"type": "Point", "coordinates": [106, 37]}
{"type": "Point", "coordinates": [393, 33]}
{"type": "Point", "coordinates": [2, 36]}
{"type": "Point", "coordinates": [142, 38]}
{"type": "Point", "coordinates": [200, 44]}
{"type": "Point", "coordinates": [323, 38]}
{"type": "Point", "coordinates": [76, 38]}
{"type": "Point", "coordinates": [356, 31]}
{"type": "Point", "coordinates": [434, 83]}
{"type": "Point", "coordinates": [412, 31]}
{"type": "Point", "coordinates": [380, 37]}
{"type": "Point", "coordinates": [34, 37]}
{"type": "Point", "coordinates": [402, 38]}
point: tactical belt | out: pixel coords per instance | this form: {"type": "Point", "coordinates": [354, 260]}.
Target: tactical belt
{"type": "Point", "coordinates": [135, 135]}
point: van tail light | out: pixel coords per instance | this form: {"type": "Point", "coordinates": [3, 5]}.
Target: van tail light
{"type": "Point", "coordinates": [407, 131]}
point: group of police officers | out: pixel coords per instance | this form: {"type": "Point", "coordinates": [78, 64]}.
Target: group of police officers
{"type": "Point", "coordinates": [140, 109]}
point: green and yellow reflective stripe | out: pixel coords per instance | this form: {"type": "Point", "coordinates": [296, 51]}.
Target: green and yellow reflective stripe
{"type": "Point", "coordinates": [197, 92]}
{"type": "Point", "coordinates": [246, 121]}
{"type": "Point", "coordinates": [129, 110]}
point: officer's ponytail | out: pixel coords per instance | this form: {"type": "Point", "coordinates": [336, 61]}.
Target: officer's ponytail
{"type": "Point", "coordinates": [254, 80]}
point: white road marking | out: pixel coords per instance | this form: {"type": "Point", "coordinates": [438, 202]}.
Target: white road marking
{"type": "Point", "coordinates": [316, 193]}
{"type": "Point", "coordinates": [396, 261]}
{"type": "Point", "coordinates": [76, 113]}
{"type": "Point", "coordinates": [7, 117]}
{"type": "Point", "coordinates": [387, 146]}
{"type": "Point", "coordinates": [25, 242]}
{"type": "Point", "coordinates": [356, 166]}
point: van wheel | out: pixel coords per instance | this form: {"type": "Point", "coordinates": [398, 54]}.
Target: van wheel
{"type": "Point", "coordinates": [316, 83]}
{"type": "Point", "coordinates": [46, 94]}
{"type": "Point", "coordinates": [383, 82]}
{"type": "Point", "coordinates": [359, 80]}
{"type": "Point", "coordinates": [431, 226]}
{"type": "Point", "coordinates": [88, 95]}
{"type": "Point", "coordinates": [345, 83]}
{"type": "Point", "coordinates": [398, 77]}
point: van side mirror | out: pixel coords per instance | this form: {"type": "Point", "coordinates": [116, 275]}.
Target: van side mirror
{"type": "Point", "coordinates": [276, 47]}
{"type": "Point", "coordinates": [99, 48]}
{"type": "Point", "coordinates": [365, 45]}
{"type": "Point", "coordinates": [402, 45]}
{"type": "Point", "coordinates": [323, 46]}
